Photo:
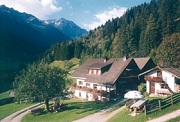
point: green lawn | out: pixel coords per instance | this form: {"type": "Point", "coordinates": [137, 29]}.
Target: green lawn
{"type": "Point", "coordinates": [177, 119]}
{"type": "Point", "coordinates": [11, 108]}
{"type": "Point", "coordinates": [4, 95]}
{"type": "Point", "coordinates": [69, 65]}
{"type": "Point", "coordinates": [124, 116]}
{"type": "Point", "coordinates": [76, 109]}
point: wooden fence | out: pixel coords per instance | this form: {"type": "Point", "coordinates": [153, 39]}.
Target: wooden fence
{"type": "Point", "coordinates": [161, 104]}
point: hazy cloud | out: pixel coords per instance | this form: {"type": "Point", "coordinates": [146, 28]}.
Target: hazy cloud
{"type": "Point", "coordinates": [39, 8]}
{"type": "Point", "coordinates": [105, 16]}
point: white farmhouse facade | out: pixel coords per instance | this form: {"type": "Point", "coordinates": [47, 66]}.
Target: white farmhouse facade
{"type": "Point", "coordinates": [92, 91]}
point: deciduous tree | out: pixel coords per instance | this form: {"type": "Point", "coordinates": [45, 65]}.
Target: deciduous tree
{"type": "Point", "coordinates": [40, 82]}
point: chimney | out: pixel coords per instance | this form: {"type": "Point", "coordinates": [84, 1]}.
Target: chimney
{"type": "Point", "coordinates": [124, 58]}
{"type": "Point", "coordinates": [105, 60]}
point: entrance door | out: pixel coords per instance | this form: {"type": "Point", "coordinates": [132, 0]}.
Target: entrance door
{"type": "Point", "coordinates": [152, 87]}
{"type": "Point", "coordinates": [79, 94]}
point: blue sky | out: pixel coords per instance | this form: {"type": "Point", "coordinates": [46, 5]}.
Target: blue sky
{"type": "Point", "coordinates": [87, 14]}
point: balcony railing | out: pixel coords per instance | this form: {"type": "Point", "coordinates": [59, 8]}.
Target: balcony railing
{"type": "Point", "coordinates": [154, 79]}
{"type": "Point", "coordinates": [94, 91]}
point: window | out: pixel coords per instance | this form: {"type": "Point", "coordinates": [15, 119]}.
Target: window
{"type": "Point", "coordinates": [79, 94]}
{"type": "Point", "coordinates": [80, 82]}
{"type": "Point", "coordinates": [90, 71]}
{"type": "Point", "coordinates": [165, 79]}
{"type": "Point", "coordinates": [163, 86]}
{"type": "Point", "coordinates": [88, 84]}
{"type": "Point", "coordinates": [99, 72]}
{"type": "Point", "coordinates": [159, 74]}
{"type": "Point", "coordinates": [95, 86]}
{"type": "Point", "coordinates": [95, 72]}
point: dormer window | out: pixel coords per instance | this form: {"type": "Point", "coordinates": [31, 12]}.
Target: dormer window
{"type": "Point", "coordinates": [98, 68]}
{"type": "Point", "coordinates": [94, 71]}
{"type": "Point", "coordinates": [90, 71]}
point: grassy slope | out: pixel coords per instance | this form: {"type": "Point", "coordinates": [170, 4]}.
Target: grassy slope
{"type": "Point", "coordinates": [4, 65]}
{"type": "Point", "coordinates": [76, 109]}
{"type": "Point", "coordinates": [177, 119]}
{"type": "Point", "coordinates": [69, 65]}
{"type": "Point", "coordinates": [4, 95]}
{"type": "Point", "coordinates": [11, 108]}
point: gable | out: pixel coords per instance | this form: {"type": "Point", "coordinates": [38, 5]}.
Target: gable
{"type": "Point", "coordinates": [144, 64]}
{"type": "Point", "coordinates": [172, 71]}
{"type": "Point", "coordinates": [131, 69]}
{"type": "Point", "coordinates": [169, 70]}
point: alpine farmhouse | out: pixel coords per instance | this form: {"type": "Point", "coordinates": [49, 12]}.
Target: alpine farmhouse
{"type": "Point", "coordinates": [102, 79]}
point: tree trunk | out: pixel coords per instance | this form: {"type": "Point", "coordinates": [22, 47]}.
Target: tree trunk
{"type": "Point", "coordinates": [47, 104]}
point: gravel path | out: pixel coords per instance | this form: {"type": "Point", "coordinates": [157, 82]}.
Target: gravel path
{"type": "Point", "coordinates": [103, 115]}
{"type": "Point", "coordinates": [17, 116]}
{"type": "Point", "coordinates": [166, 117]}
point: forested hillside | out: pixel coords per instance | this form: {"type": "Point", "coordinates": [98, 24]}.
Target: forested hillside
{"type": "Point", "coordinates": [151, 29]}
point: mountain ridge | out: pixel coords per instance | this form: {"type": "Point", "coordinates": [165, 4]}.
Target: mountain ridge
{"type": "Point", "coordinates": [67, 27]}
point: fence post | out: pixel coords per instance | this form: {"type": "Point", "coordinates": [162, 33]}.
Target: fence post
{"type": "Point", "coordinates": [171, 100]}
{"type": "Point", "coordinates": [145, 110]}
{"type": "Point", "coordinates": [159, 101]}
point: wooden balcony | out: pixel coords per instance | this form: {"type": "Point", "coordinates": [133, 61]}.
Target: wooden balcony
{"type": "Point", "coordinates": [92, 91]}
{"type": "Point", "coordinates": [154, 79]}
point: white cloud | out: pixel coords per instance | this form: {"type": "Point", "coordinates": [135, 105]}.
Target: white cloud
{"type": "Point", "coordinates": [38, 8]}
{"type": "Point", "coordinates": [105, 16]}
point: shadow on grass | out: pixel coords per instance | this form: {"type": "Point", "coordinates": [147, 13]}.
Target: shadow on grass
{"type": "Point", "coordinates": [89, 107]}
{"type": "Point", "coordinates": [78, 108]}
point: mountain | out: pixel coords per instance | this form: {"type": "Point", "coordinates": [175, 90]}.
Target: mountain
{"type": "Point", "coordinates": [23, 34]}
{"type": "Point", "coordinates": [69, 28]}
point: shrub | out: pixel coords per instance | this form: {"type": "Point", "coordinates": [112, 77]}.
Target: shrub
{"type": "Point", "coordinates": [142, 88]}
{"type": "Point", "coordinates": [146, 94]}
{"type": "Point", "coordinates": [104, 93]}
